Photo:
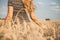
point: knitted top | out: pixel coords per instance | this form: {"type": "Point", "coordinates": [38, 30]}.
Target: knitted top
{"type": "Point", "coordinates": [18, 6]}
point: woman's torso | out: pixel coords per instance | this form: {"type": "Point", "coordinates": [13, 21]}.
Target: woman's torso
{"type": "Point", "coordinates": [18, 6]}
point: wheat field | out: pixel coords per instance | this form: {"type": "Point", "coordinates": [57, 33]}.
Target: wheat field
{"type": "Point", "coordinates": [49, 30]}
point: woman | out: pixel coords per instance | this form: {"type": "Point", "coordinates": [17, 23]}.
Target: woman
{"type": "Point", "coordinates": [26, 5]}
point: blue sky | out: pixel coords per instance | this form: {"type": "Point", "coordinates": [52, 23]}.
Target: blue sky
{"type": "Point", "coordinates": [43, 9]}
{"type": "Point", "coordinates": [3, 8]}
{"type": "Point", "coordinates": [47, 9]}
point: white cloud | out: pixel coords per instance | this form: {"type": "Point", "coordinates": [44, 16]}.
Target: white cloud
{"type": "Point", "coordinates": [53, 3]}
{"type": "Point", "coordinates": [40, 3]}
{"type": "Point", "coordinates": [55, 8]}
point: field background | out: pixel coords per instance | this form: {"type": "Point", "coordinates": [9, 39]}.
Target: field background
{"type": "Point", "coordinates": [49, 30]}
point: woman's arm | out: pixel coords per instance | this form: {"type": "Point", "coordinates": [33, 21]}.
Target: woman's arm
{"type": "Point", "coordinates": [10, 13]}
{"type": "Point", "coordinates": [29, 5]}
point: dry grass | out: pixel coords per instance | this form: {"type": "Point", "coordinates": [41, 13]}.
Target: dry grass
{"type": "Point", "coordinates": [49, 30]}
